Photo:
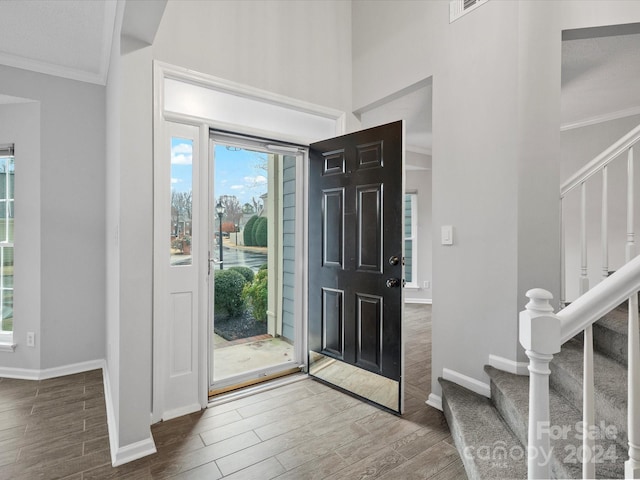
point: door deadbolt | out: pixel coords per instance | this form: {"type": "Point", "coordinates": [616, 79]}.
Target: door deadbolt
{"type": "Point", "coordinates": [394, 260]}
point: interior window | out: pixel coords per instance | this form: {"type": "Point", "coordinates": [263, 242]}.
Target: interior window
{"type": "Point", "coordinates": [7, 182]}
{"type": "Point", "coordinates": [410, 231]}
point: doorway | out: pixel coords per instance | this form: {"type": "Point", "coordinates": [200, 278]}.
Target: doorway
{"type": "Point", "coordinates": [254, 209]}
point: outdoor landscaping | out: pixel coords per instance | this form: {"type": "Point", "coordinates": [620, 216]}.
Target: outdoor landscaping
{"type": "Point", "coordinates": [240, 302]}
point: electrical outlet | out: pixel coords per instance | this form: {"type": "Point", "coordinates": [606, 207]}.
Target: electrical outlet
{"type": "Point", "coordinates": [31, 339]}
{"type": "Point", "coordinates": [427, 284]}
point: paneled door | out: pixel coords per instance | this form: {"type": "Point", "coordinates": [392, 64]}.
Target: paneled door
{"type": "Point", "coordinates": [356, 193]}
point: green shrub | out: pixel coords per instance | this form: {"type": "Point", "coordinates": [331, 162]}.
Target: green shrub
{"type": "Point", "coordinates": [260, 232]}
{"type": "Point", "coordinates": [246, 272]}
{"type": "Point", "coordinates": [256, 293]}
{"type": "Point", "coordinates": [228, 292]}
{"type": "Point", "coordinates": [247, 235]}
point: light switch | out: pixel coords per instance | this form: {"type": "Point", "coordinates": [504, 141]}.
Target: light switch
{"type": "Point", "coordinates": [447, 235]}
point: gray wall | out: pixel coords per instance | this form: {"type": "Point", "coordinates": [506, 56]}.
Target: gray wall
{"type": "Point", "coordinates": [20, 125]}
{"type": "Point", "coordinates": [496, 150]}
{"type": "Point", "coordinates": [482, 161]}
{"type": "Point", "coordinates": [72, 206]}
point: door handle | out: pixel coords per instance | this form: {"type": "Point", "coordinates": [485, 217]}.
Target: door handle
{"type": "Point", "coordinates": [393, 282]}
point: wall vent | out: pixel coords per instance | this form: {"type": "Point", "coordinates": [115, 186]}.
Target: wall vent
{"type": "Point", "coordinates": [458, 8]}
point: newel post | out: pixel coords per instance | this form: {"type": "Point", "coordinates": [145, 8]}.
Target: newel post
{"type": "Point", "coordinates": [540, 336]}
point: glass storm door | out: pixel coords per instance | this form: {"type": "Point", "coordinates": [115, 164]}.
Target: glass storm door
{"type": "Point", "coordinates": [253, 216]}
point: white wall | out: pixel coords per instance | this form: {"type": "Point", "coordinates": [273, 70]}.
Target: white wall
{"type": "Point", "coordinates": [72, 205]}
{"type": "Point", "coordinates": [579, 147]}
{"type": "Point", "coordinates": [482, 161]}
{"type": "Point", "coordinates": [298, 49]}
{"type": "Point", "coordinates": [20, 125]}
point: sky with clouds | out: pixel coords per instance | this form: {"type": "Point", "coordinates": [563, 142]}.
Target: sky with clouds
{"type": "Point", "coordinates": [237, 172]}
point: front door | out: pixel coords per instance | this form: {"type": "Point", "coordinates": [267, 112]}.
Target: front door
{"type": "Point", "coordinates": [356, 192]}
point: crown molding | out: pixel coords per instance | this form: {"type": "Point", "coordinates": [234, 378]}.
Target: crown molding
{"type": "Point", "coordinates": [607, 117]}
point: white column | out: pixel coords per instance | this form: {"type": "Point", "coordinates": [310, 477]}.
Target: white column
{"type": "Point", "coordinates": [540, 336]}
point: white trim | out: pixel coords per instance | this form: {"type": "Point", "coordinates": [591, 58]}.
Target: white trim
{"type": "Point", "coordinates": [511, 366]}
{"type": "Point", "coordinates": [424, 301]}
{"type": "Point", "coordinates": [128, 453]}
{"type": "Point", "coordinates": [467, 382]}
{"type": "Point", "coordinates": [133, 451]}
{"type": "Point", "coordinates": [112, 426]}
{"type": "Point", "coordinates": [434, 401]}
{"type": "Point", "coordinates": [607, 117]}
{"type": "Point", "coordinates": [7, 347]}
{"type": "Point", "coordinates": [34, 374]}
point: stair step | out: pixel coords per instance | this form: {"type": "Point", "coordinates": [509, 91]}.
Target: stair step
{"type": "Point", "coordinates": [510, 395]}
{"type": "Point", "coordinates": [610, 334]}
{"type": "Point", "coordinates": [481, 436]}
{"type": "Point", "coordinates": [610, 382]}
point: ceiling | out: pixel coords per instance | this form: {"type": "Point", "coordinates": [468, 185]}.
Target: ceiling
{"type": "Point", "coordinates": [72, 39]}
{"type": "Point", "coordinates": [600, 78]}
{"type": "Point", "coordinates": [66, 38]}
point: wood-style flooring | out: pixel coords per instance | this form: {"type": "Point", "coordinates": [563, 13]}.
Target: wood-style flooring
{"type": "Point", "coordinates": [304, 430]}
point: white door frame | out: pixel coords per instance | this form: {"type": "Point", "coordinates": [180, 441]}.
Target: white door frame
{"type": "Point", "coordinates": [190, 98]}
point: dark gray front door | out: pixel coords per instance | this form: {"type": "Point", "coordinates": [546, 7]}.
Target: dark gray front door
{"type": "Point", "coordinates": [356, 194]}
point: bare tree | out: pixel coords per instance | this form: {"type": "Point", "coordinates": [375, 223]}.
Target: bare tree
{"type": "Point", "coordinates": [232, 208]}
{"type": "Point", "coordinates": [181, 206]}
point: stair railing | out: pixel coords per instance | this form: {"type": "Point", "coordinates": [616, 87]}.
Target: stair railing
{"type": "Point", "coordinates": [542, 332]}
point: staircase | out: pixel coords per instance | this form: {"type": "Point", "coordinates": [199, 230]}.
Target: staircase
{"type": "Point", "coordinates": [491, 434]}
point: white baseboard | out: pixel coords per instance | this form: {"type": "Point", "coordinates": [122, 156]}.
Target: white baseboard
{"type": "Point", "coordinates": [501, 363]}
{"type": "Point", "coordinates": [467, 382]}
{"type": "Point", "coordinates": [127, 453]}
{"type": "Point", "coordinates": [434, 401]}
{"type": "Point", "coordinates": [35, 374]}
{"type": "Point", "coordinates": [424, 301]}
{"type": "Point", "coordinates": [133, 451]}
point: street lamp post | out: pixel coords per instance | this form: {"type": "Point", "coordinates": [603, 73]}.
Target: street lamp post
{"type": "Point", "coordinates": [220, 212]}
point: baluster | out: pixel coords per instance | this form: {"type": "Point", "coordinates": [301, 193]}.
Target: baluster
{"type": "Point", "coordinates": [630, 250]}
{"type": "Point", "coordinates": [588, 410]}
{"type": "Point", "coordinates": [563, 267]}
{"type": "Point", "coordinates": [584, 279]}
{"type": "Point", "coordinates": [588, 416]}
{"type": "Point", "coordinates": [540, 336]}
{"type": "Point", "coordinates": [632, 466]}
{"type": "Point", "coordinates": [605, 222]}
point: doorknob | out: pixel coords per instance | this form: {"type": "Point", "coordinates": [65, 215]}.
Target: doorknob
{"type": "Point", "coordinates": [393, 282]}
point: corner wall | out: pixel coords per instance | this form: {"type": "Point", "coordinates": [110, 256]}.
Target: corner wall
{"type": "Point", "coordinates": [70, 307]}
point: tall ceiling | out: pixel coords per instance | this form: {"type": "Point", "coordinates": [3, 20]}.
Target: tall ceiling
{"type": "Point", "coordinates": [72, 39]}
{"type": "Point", "coordinates": [66, 38]}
